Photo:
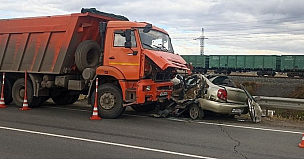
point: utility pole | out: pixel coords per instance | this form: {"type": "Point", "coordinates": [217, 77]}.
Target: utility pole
{"type": "Point", "coordinates": [202, 42]}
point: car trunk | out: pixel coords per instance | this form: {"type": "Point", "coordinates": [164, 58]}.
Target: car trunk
{"type": "Point", "coordinates": [236, 95]}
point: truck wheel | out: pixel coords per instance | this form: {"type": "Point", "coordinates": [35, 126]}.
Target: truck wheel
{"type": "Point", "coordinates": [87, 55]}
{"type": "Point", "coordinates": [74, 99]}
{"type": "Point", "coordinates": [43, 99]}
{"type": "Point", "coordinates": [7, 91]}
{"type": "Point", "coordinates": [18, 94]}
{"type": "Point", "coordinates": [63, 99]}
{"type": "Point", "coordinates": [109, 101]}
{"type": "Point", "coordinates": [195, 112]}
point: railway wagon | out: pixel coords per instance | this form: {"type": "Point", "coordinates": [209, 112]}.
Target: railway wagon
{"type": "Point", "coordinates": [198, 62]}
{"type": "Point", "coordinates": [263, 64]}
{"type": "Point", "coordinates": [293, 65]}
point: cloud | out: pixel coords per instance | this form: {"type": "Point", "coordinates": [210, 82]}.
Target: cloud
{"type": "Point", "coordinates": [238, 26]}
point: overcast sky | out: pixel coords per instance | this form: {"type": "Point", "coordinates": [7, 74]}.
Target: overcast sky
{"type": "Point", "coordinates": [231, 26]}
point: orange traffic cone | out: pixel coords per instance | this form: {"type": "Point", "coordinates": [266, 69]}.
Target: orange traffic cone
{"type": "Point", "coordinates": [95, 115]}
{"type": "Point", "coordinates": [301, 144]}
{"type": "Point", "coordinates": [2, 103]}
{"type": "Point", "coordinates": [25, 104]}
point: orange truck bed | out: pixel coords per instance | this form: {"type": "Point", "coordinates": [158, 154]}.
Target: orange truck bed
{"type": "Point", "coordinates": [46, 44]}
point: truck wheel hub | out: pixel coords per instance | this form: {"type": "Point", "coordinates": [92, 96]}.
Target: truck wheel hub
{"type": "Point", "coordinates": [90, 57]}
{"type": "Point", "coordinates": [107, 101]}
{"type": "Point", "coordinates": [21, 93]}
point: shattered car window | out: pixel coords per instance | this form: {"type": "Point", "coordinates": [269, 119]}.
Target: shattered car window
{"type": "Point", "coordinates": [223, 80]}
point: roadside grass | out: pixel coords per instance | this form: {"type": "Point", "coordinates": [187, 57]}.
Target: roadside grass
{"type": "Point", "coordinates": [297, 93]}
{"type": "Point", "coordinates": [289, 114]}
{"type": "Point", "coordinates": [293, 114]}
{"type": "Point", "coordinates": [252, 87]}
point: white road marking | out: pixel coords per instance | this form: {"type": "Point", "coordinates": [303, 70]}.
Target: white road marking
{"type": "Point", "coordinates": [200, 122]}
{"type": "Point", "coordinates": [106, 143]}
{"type": "Point", "coordinates": [174, 119]}
{"type": "Point", "coordinates": [254, 128]}
{"type": "Point", "coordinates": [239, 126]}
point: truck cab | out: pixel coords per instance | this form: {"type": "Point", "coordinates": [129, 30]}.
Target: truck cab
{"type": "Point", "coordinates": [142, 59]}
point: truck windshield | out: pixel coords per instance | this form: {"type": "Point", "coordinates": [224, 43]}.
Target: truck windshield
{"type": "Point", "coordinates": [155, 40]}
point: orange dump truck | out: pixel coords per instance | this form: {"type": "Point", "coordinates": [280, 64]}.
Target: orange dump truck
{"type": "Point", "coordinates": [63, 55]}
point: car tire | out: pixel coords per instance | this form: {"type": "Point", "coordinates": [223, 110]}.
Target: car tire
{"type": "Point", "coordinates": [195, 112]}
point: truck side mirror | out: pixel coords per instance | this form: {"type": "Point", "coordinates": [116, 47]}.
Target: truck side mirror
{"type": "Point", "coordinates": [147, 28]}
{"type": "Point", "coordinates": [128, 43]}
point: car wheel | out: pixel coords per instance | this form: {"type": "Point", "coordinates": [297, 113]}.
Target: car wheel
{"type": "Point", "coordinates": [195, 112]}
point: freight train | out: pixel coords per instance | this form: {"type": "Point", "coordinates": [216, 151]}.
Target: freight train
{"type": "Point", "coordinates": [269, 65]}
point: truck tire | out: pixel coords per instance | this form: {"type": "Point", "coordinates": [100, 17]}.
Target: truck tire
{"type": "Point", "coordinates": [7, 91]}
{"type": "Point", "coordinates": [43, 99]}
{"type": "Point", "coordinates": [63, 99]}
{"type": "Point", "coordinates": [87, 55]}
{"type": "Point", "coordinates": [74, 99]}
{"type": "Point", "coordinates": [18, 94]}
{"type": "Point", "coordinates": [109, 101]}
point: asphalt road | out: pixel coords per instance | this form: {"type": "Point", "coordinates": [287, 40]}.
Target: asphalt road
{"type": "Point", "coordinates": [67, 132]}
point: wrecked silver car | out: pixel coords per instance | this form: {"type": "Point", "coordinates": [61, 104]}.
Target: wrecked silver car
{"type": "Point", "coordinates": [218, 94]}
{"type": "Point", "coordinates": [222, 96]}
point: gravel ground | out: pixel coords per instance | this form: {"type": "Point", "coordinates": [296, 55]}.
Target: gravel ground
{"type": "Point", "coordinates": [272, 87]}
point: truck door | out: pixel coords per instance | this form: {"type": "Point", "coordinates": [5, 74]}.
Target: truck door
{"type": "Point", "coordinates": [123, 58]}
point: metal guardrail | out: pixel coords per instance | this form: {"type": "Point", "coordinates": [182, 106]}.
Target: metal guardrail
{"type": "Point", "coordinates": [280, 103]}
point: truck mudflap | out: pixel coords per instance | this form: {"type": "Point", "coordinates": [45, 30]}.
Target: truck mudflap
{"type": "Point", "coordinates": [146, 91]}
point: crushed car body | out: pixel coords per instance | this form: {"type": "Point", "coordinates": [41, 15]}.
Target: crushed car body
{"type": "Point", "coordinates": [222, 96]}
{"type": "Point", "coordinates": [198, 93]}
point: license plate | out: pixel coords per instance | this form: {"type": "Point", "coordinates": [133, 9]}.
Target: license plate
{"type": "Point", "coordinates": [236, 111]}
{"type": "Point", "coordinates": [163, 93]}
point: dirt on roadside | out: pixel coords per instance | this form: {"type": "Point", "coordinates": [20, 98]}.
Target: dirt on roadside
{"type": "Point", "coordinates": [277, 122]}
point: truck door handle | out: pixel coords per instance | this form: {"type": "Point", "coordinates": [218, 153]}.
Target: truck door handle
{"type": "Point", "coordinates": [112, 57]}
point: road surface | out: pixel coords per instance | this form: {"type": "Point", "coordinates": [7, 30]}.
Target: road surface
{"type": "Point", "coordinates": [67, 132]}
